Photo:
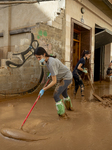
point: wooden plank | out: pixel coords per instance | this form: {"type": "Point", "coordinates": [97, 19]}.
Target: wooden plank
{"type": "Point", "coordinates": [77, 31]}
{"type": "Point", "coordinates": [76, 40]}
{"type": "Point", "coordinates": [95, 95]}
{"type": "Point", "coordinates": [98, 97]}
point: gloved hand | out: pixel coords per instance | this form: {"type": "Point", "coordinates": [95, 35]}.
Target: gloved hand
{"type": "Point", "coordinates": [85, 70]}
{"type": "Point", "coordinates": [49, 75]}
{"type": "Point", "coordinates": [41, 92]}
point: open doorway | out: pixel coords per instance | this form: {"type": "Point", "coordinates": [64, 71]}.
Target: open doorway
{"type": "Point", "coordinates": [80, 41]}
{"type": "Point", "coordinates": [99, 56]}
{"type": "Point", "coordinates": [97, 64]}
{"type": "Point", "coordinates": [101, 38]}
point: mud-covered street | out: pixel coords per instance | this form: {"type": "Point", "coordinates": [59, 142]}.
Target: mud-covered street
{"type": "Point", "coordinates": [89, 126]}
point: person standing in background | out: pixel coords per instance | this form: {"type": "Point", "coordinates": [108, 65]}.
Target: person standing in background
{"type": "Point", "coordinates": [109, 69]}
{"type": "Point", "coordinates": [77, 72]}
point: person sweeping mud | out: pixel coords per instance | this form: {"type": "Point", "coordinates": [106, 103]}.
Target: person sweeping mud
{"type": "Point", "coordinates": [61, 75]}
{"type": "Point", "coordinates": [77, 72]}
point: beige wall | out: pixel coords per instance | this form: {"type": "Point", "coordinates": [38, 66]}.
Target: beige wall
{"type": "Point", "coordinates": [26, 15]}
{"type": "Point", "coordinates": [110, 1]}
{"type": "Point", "coordinates": [91, 17]}
{"type": "Point", "coordinates": [23, 15]}
{"type": "Point", "coordinates": [32, 14]}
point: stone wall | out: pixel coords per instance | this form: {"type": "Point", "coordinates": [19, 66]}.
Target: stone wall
{"type": "Point", "coordinates": [27, 16]}
{"type": "Point", "coordinates": [52, 39]}
{"type": "Point", "coordinates": [49, 35]}
{"type": "Point", "coordinates": [26, 77]}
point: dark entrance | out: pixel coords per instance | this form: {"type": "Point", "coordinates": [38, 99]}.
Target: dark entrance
{"type": "Point", "coordinates": [97, 65]}
{"type": "Point", "coordinates": [80, 41]}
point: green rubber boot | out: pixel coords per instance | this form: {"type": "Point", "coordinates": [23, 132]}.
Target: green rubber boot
{"type": "Point", "coordinates": [68, 103]}
{"type": "Point", "coordinates": [60, 108]}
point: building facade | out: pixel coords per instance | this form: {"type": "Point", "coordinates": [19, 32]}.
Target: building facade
{"type": "Point", "coordinates": [62, 27]}
{"type": "Point", "coordinates": [88, 27]}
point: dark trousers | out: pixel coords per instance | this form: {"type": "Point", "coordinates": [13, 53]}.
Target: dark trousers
{"type": "Point", "coordinates": [78, 82]}
{"type": "Point", "coordinates": [61, 88]}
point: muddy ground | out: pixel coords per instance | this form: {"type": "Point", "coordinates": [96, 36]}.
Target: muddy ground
{"type": "Point", "coordinates": [89, 126]}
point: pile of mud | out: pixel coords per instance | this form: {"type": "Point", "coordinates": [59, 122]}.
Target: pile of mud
{"type": "Point", "coordinates": [107, 100]}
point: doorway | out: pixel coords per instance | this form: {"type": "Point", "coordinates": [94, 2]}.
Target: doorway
{"type": "Point", "coordinates": [99, 56]}
{"type": "Point", "coordinates": [80, 41]}
{"type": "Point", "coordinates": [97, 65]}
{"type": "Point", "coordinates": [101, 39]}
{"type": "Point", "coordinates": [76, 46]}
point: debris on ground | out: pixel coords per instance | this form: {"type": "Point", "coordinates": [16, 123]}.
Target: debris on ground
{"type": "Point", "coordinates": [107, 100]}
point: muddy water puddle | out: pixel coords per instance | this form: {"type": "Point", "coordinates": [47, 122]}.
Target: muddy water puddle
{"type": "Point", "coordinates": [89, 126]}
